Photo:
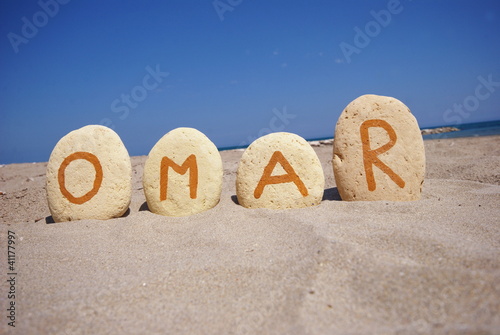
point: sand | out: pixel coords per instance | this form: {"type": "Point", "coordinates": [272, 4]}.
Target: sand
{"type": "Point", "coordinates": [430, 266]}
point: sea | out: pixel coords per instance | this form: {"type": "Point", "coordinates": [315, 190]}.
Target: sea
{"type": "Point", "coordinates": [468, 130]}
{"type": "Point", "coordinates": [487, 128]}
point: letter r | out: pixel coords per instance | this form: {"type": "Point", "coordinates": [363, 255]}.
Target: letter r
{"type": "Point", "coordinates": [370, 156]}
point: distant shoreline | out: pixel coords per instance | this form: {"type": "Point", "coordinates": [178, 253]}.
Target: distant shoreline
{"type": "Point", "coordinates": [488, 128]}
{"type": "Point", "coordinates": [475, 129]}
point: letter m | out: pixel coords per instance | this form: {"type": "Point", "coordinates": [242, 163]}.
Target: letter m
{"type": "Point", "coordinates": [189, 164]}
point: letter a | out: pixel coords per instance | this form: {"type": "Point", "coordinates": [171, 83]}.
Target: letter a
{"type": "Point", "coordinates": [15, 40]}
{"type": "Point", "coordinates": [290, 175]}
{"type": "Point", "coordinates": [370, 156]}
{"type": "Point", "coordinates": [221, 8]}
{"type": "Point", "coordinates": [189, 163]}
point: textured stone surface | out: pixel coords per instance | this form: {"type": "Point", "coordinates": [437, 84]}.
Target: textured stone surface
{"type": "Point", "coordinates": [378, 151]}
{"type": "Point", "coordinates": [278, 171]}
{"type": "Point", "coordinates": [89, 176]}
{"type": "Point", "coordinates": [183, 174]}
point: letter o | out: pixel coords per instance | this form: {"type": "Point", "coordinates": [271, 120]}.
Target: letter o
{"type": "Point", "coordinates": [139, 93]}
{"type": "Point", "coordinates": [97, 181]}
{"type": "Point", "coordinates": [369, 31]}
{"type": "Point", "coordinates": [45, 19]}
{"type": "Point", "coordinates": [471, 107]}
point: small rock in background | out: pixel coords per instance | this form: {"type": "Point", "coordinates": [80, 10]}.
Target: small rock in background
{"type": "Point", "coordinates": [438, 130]}
{"type": "Point", "coordinates": [320, 143]}
{"type": "Point", "coordinates": [326, 142]}
{"type": "Point", "coordinates": [183, 174]}
{"type": "Point", "coordinates": [378, 151]}
{"type": "Point", "coordinates": [315, 143]}
{"type": "Point", "coordinates": [279, 171]}
{"type": "Point", "coordinates": [89, 176]}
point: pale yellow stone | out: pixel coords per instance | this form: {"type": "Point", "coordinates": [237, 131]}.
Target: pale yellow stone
{"type": "Point", "coordinates": [294, 160]}
{"type": "Point", "coordinates": [402, 157]}
{"type": "Point", "coordinates": [195, 187]}
{"type": "Point", "coordinates": [82, 160]}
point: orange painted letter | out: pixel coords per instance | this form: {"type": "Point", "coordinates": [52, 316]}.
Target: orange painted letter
{"type": "Point", "coordinates": [189, 163]}
{"type": "Point", "coordinates": [290, 175]}
{"type": "Point", "coordinates": [61, 178]}
{"type": "Point", "coordinates": [370, 156]}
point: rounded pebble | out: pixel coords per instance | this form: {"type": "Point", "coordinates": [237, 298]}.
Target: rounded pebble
{"type": "Point", "coordinates": [183, 174]}
{"type": "Point", "coordinates": [279, 171]}
{"type": "Point", "coordinates": [378, 151]}
{"type": "Point", "coordinates": [89, 176]}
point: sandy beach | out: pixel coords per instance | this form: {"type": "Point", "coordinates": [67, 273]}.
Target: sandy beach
{"type": "Point", "coordinates": [429, 266]}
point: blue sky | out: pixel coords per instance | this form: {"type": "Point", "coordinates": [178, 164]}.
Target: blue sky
{"type": "Point", "coordinates": [236, 69]}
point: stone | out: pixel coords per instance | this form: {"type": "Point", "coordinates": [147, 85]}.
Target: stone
{"type": "Point", "coordinates": [439, 130]}
{"type": "Point", "coordinates": [183, 174]}
{"type": "Point", "coordinates": [89, 176]}
{"type": "Point", "coordinates": [279, 171]}
{"type": "Point", "coordinates": [327, 142]}
{"type": "Point", "coordinates": [378, 151]}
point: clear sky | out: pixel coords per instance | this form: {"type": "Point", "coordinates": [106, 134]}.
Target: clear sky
{"type": "Point", "coordinates": [236, 69]}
